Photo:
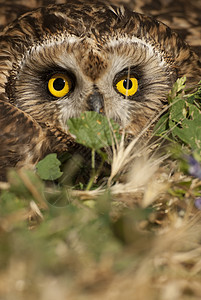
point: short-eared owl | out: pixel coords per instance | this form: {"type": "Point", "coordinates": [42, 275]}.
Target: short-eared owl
{"type": "Point", "coordinates": [59, 60]}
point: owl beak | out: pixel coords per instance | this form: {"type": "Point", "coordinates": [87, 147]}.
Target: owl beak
{"type": "Point", "coordinates": [95, 101]}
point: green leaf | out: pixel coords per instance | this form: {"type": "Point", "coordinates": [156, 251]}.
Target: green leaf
{"type": "Point", "coordinates": [177, 88]}
{"type": "Point", "coordinates": [93, 130]}
{"type": "Point", "coordinates": [162, 125]}
{"type": "Point", "coordinates": [189, 129]}
{"type": "Point", "coordinates": [48, 168]}
{"type": "Point", "coordinates": [178, 112]}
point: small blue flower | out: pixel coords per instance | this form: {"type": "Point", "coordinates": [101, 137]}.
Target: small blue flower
{"type": "Point", "coordinates": [198, 203]}
{"type": "Point", "coordinates": [195, 170]}
{"type": "Point", "coordinates": [194, 167]}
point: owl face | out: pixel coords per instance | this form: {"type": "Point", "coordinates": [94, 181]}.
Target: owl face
{"type": "Point", "coordinates": [67, 59]}
{"type": "Point", "coordinates": [124, 80]}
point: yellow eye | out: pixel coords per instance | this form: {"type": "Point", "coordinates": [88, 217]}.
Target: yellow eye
{"type": "Point", "coordinates": [127, 86]}
{"type": "Point", "coordinates": [59, 85]}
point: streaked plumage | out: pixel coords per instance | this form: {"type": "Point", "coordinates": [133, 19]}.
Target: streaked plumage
{"type": "Point", "coordinates": [95, 45]}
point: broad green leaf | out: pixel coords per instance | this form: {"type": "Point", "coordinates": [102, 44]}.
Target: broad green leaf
{"type": "Point", "coordinates": [177, 111]}
{"type": "Point", "coordinates": [189, 129]}
{"type": "Point", "coordinates": [162, 125]}
{"type": "Point", "coordinates": [48, 168]}
{"type": "Point", "coordinates": [93, 130]}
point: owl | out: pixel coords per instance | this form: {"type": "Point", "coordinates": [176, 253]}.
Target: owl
{"type": "Point", "coordinates": [60, 60]}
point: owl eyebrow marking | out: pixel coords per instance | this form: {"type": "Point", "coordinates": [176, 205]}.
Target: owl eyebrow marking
{"type": "Point", "coordinates": [58, 40]}
{"type": "Point", "coordinates": [123, 40]}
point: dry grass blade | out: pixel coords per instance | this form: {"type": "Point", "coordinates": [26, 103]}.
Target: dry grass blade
{"type": "Point", "coordinates": [32, 189]}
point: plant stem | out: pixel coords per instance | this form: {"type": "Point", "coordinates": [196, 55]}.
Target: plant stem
{"type": "Point", "coordinates": [93, 159]}
{"type": "Point", "coordinates": [94, 173]}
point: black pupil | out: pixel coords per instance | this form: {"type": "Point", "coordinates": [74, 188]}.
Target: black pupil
{"type": "Point", "coordinates": [59, 84]}
{"type": "Point", "coordinates": [127, 84]}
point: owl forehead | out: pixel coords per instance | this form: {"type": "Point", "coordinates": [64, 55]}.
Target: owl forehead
{"type": "Point", "coordinates": [90, 57]}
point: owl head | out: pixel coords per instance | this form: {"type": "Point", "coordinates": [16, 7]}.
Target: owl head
{"type": "Point", "coordinates": [61, 60]}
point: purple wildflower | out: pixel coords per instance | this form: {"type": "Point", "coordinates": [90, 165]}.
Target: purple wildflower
{"type": "Point", "coordinates": [198, 203]}
{"type": "Point", "coordinates": [194, 167]}
{"type": "Point", "coordinates": [195, 170]}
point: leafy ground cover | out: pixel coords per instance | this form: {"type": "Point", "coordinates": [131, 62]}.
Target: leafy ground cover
{"type": "Point", "coordinates": [128, 229]}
